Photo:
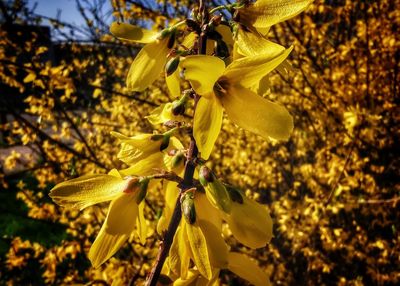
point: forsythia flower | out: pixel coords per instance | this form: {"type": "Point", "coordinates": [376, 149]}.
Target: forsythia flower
{"type": "Point", "coordinates": [151, 59]}
{"type": "Point", "coordinates": [201, 242]}
{"type": "Point", "coordinates": [232, 88]}
{"type": "Point", "coordinates": [124, 214]}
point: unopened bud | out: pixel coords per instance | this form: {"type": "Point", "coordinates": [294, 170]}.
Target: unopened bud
{"type": "Point", "coordinates": [143, 184]}
{"type": "Point", "coordinates": [205, 176]}
{"type": "Point", "coordinates": [132, 184]}
{"type": "Point", "coordinates": [178, 107]}
{"type": "Point", "coordinates": [188, 208]}
{"type": "Point", "coordinates": [157, 137]}
{"type": "Point", "coordinates": [172, 65]}
{"type": "Point", "coordinates": [177, 160]}
{"type": "Point", "coordinates": [171, 40]}
{"type": "Point", "coordinates": [165, 142]}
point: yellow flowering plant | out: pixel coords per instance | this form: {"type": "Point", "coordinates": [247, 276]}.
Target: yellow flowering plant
{"type": "Point", "coordinates": [225, 64]}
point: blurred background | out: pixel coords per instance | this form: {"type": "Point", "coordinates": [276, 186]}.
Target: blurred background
{"type": "Point", "coordinates": [333, 189]}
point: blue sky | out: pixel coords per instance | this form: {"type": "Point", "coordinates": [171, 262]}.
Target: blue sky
{"type": "Point", "coordinates": [68, 10]}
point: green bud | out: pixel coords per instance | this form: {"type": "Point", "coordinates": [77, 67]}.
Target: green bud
{"type": "Point", "coordinates": [205, 176]}
{"type": "Point", "coordinates": [165, 142]}
{"type": "Point", "coordinates": [172, 65]}
{"type": "Point", "coordinates": [188, 208]}
{"type": "Point", "coordinates": [143, 184]}
{"type": "Point", "coordinates": [177, 159]}
{"type": "Point", "coordinates": [171, 40]}
{"type": "Point", "coordinates": [178, 107]}
{"type": "Point", "coordinates": [157, 137]}
{"type": "Point", "coordinates": [219, 196]}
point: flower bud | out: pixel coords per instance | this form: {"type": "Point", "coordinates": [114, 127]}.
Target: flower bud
{"type": "Point", "coordinates": [171, 40]}
{"type": "Point", "coordinates": [188, 208]}
{"type": "Point", "coordinates": [177, 159]}
{"type": "Point", "coordinates": [205, 176]}
{"type": "Point", "coordinates": [132, 184]}
{"type": "Point", "coordinates": [215, 191]}
{"type": "Point", "coordinates": [178, 107]}
{"type": "Point", "coordinates": [172, 65]}
{"type": "Point", "coordinates": [143, 184]}
{"type": "Point", "coordinates": [165, 142]}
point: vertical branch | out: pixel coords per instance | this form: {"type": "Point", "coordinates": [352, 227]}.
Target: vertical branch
{"type": "Point", "coordinates": [187, 183]}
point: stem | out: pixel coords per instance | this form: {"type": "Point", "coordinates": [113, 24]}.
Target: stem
{"type": "Point", "coordinates": [187, 182]}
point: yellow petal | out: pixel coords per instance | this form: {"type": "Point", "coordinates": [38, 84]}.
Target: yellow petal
{"type": "Point", "coordinates": [257, 114]}
{"type": "Point", "coordinates": [246, 268]}
{"type": "Point", "coordinates": [189, 40]}
{"type": "Point", "coordinates": [198, 246]}
{"type": "Point", "coordinates": [251, 44]}
{"type": "Point", "coordinates": [87, 190]}
{"type": "Point", "coordinates": [132, 33]}
{"type": "Point", "coordinates": [148, 65]}
{"type": "Point", "coordinates": [173, 83]}
{"type": "Point", "coordinates": [118, 226]}
{"type": "Point", "coordinates": [133, 149]}
{"type": "Point", "coordinates": [248, 71]}
{"type": "Point", "coordinates": [146, 166]}
{"type": "Point", "coordinates": [179, 254]}
{"type": "Point", "coordinates": [217, 248]}
{"type": "Point", "coordinates": [265, 13]}
{"type": "Point", "coordinates": [250, 223]}
{"type": "Point", "coordinates": [206, 211]}
{"type": "Point", "coordinates": [202, 72]}
{"type": "Point", "coordinates": [141, 224]}
{"type": "Point", "coordinates": [171, 193]}
{"type": "Point", "coordinates": [162, 114]}
{"type": "Point", "coordinates": [207, 124]}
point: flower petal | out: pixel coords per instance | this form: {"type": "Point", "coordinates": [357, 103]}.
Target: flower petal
{"type": "Point", "coordinates": [146, 166]}
{"type": "Point", "coordinates": [203, 72]}
{"type": "Point", "coordinates": [142, 229]}
{"type": "Point", "coordinates": [119, 224]}
{"type": "Point", "coordinates": [251, 44]}
{"type": "Point", "coordinates": [246, 268]}
{"type": "Point", "coordinates": [162, 114]}
{"type": "Point", "coordinates": [148, 65]}
{"type": "Point", "coordinates": [248, 71]}
{"type": "Point", "coordinates": [207, 124]}
{"type": "Point", "coordinates": [257, 114]}
{"type": "Point", "coordinates": [250, 223]}
{"type": "Point", "coordinates": [265, 13]}
{"type": "Point", "coordinates": [173, 83]}
{"type": "Point", "coordinates": [179, 254]}
{"type": "Point", "coordinates": [132, 33]}
{"type": "Point", "coordinates": [87, 190]}
{"type": "Point", "coordinates": [198, 246]}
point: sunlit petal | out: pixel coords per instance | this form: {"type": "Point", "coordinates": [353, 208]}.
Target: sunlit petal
{"type": "Point", "coordinates": [119, 224]}
{"type": "Point", "coordinates": [142, 229]}
{"type": "Point", "coordinates": [132, 33]}
{"type": "Point", "coordinates": [148, 65]}
{"type": "Point", "coordinates": [173, 83]}
{"type": "Point", "coordinates": [207, 124]}
{"type": "Point", "coordinates": [87, 190]}
{"type": "Point", "coordinates": [246, 268]}
{"type": "Point", "coordinates": [248, 71]}
{"type": "Point", "coordinates": [265, 13]}
{"type": "Point", "coordinates": [198, 246]}
{"type": "Point", "coordinates": [202, 72]}
{"type": "Point", "coordinates": [257, 114]}
{"type": "Point", "coordinates": [250, 223]}
{"type": "Point", "coordinates": [251, 44]}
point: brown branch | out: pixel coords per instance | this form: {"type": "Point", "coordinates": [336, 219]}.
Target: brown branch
{"type": "Point", "coordinates": [187, 182]}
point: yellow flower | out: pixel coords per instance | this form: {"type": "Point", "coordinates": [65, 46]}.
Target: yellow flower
{"type": "Point", "coordinates": [151, 59]}
{"type": "Point", "coordinates": [233, 88]}
{"type": "Point", "coordinates": [146, 153]}
{"type": "Point", "coordinates": [124, 214]}
{"type": "Point", "coordinates": [203, 243]}
{"type": "Point", "coordinates": [262, 14]}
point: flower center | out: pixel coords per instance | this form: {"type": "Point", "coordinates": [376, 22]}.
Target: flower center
{"type": "Point", "coordinates": [221, 87]}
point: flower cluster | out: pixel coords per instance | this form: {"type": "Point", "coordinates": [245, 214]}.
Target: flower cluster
{"type": "Point", "coordinates": [227, 66]}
